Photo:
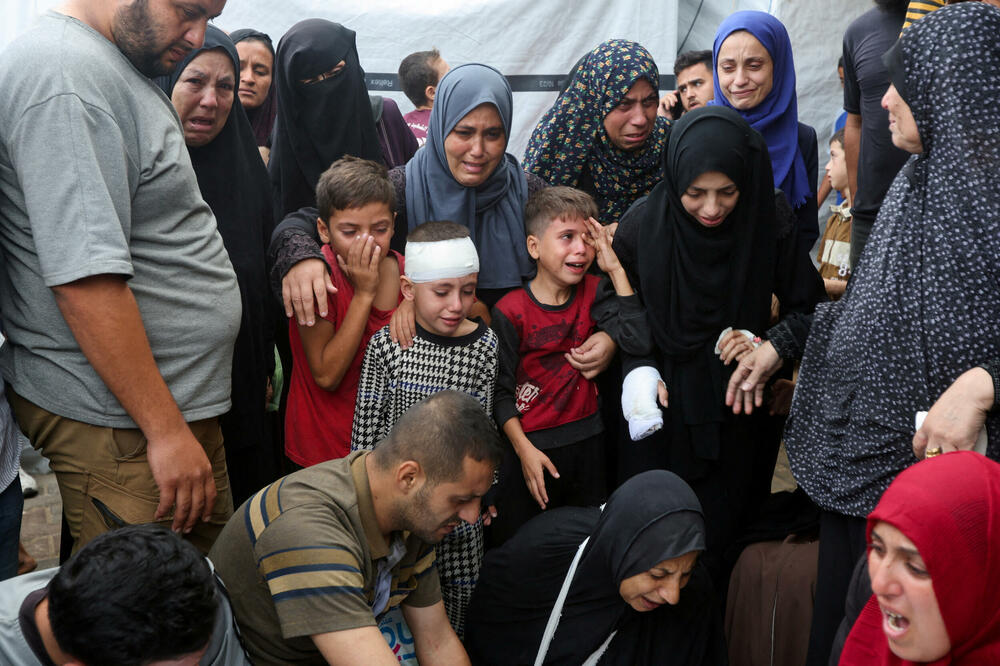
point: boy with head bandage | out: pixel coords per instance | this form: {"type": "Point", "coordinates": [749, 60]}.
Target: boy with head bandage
{"type": "Point", "coordinates": [449, 351]}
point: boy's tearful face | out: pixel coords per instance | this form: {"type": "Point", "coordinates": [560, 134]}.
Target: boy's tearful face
{"type": "Point", "coordinates": [442, 306]}
{"type": "Point", "coordinates": [562, 251]}
{"type": "Point", "coordinates": [343, 226]}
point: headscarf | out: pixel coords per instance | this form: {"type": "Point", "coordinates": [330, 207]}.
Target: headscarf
{"type": "Point", "coordinates": [319, 122]}
{"type": "Point", "coordinates": [921, 307]}
{"type": "Point", "coordinates": [493, 211]}
{"type": "Point", "coordinates": [233, 181]}
{"type": "Point", "coordinates": [262, 118]}
{"type": "Point", "coordinates": [777, 116]}
{"type": "Point", "coordinates": [949, 507]}
{"type": "Point", "coordinates": [694, 280]}
{"type": "Point", "coordinates": [652, 517]}
{"type": "Point", "coordinates": [570, 137]}
{"type": "Point", "coordinates": [395, 138]}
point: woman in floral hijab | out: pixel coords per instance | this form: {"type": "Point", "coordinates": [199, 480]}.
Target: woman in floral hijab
{"type": "Point", "coordinates": [603, 135]}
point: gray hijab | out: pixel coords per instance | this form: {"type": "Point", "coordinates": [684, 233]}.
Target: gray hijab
{"type": "Point", "coordinates": [493, 211]}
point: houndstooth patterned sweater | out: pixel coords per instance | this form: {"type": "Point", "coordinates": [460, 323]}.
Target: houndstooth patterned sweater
{"type": "Point", "coordinates": [392, 380]}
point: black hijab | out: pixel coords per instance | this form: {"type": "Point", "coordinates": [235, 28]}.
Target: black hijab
{"type": "Point", "coordinates": [233, 181]}
{"type": "Point", "coordinates": [262, 118]}
{"type": "Point", "coordinates": [319, 122]}
{"type": "Point", "coordinates": [695, 281]}
{"type": "Point", "coordinates": [652, 517]}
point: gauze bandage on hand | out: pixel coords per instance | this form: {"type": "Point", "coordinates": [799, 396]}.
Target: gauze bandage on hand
{"type": "Point", "coordinates": [748, 334]}
{"type": "Point", "coordinates": [639, 404]}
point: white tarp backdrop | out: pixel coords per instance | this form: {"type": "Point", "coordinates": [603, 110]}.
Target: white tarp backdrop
{"type": "Point", "coordinates": [518, 37]}
{"type": "Point", "coordinates": [536, 40]}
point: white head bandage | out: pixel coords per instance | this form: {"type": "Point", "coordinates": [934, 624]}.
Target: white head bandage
{"type": "Point", "coordinates": [440, 260]}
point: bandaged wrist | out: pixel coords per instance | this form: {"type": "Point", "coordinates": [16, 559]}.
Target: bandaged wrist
{"type": "Point", "coordinates": [639, 402]}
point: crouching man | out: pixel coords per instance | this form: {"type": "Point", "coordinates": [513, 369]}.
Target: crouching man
{"type": "Point", "coordinates": [313, 560]}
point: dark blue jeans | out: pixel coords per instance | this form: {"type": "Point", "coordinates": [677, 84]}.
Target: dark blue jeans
{"type": "Point", "coordinates": [11, 505]}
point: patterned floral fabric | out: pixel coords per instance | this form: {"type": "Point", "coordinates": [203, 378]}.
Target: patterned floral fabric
{"type": "Point", "coordinates": [922, 305]}
{"type": "Point", "coordinates": [571, 138]}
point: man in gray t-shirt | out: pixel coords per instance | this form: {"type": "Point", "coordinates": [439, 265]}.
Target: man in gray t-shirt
{"type": "Point", "coordinates": [120, 303]}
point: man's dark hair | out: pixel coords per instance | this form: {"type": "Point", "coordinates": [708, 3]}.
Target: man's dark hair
{"type": "Point", "coordinates": [894, 6]}
{"type": "Point", "coordinates": [550, 203]}
{"type": "Point", "coordinates": [429, 232]}
{"type": "Point", "coordinates": [440, 432]}
{"type": "Point", "coordinates": [692, 58]}
{"type": "Point", "coordinates": [352, 182]}
{"type": "Point", "coordinates": [838, 136]}
{"type": "Point", "coordinates": [132, 596]}
{"type": "Point", "coordinates": [416, 72]}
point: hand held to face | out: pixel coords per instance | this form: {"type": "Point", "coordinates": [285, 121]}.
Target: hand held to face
{"type": "Point", "coordinates": [362, 265]}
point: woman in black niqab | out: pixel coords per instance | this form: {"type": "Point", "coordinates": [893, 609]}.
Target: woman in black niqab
{"type": "Point", "coordinates": [652, 518]}
{"type": "Point", "coordinates": [233, 181]}
{"type": "Point", "coordinates": [324, 110]}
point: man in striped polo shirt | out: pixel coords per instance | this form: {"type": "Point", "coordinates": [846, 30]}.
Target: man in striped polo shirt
{"type": "Point", "coordinates": [313, 560]}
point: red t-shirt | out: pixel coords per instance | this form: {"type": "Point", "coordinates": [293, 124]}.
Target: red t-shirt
{"type": "Point", "coordinates": [546, 390]}
{"type": "Point", "coordinates": [317, 421]}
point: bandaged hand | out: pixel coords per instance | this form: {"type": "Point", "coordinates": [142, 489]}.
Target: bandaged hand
{"type": "Point", "coordinates": [643, 391]}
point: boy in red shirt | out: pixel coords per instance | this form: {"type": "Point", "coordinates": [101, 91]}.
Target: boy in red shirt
{"type": "Point", "coordinates": [357, 211]}
{"type": "Point", "coordinates": [547, 409]}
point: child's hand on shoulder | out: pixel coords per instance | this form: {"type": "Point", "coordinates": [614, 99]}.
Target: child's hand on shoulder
{"type": "Point", "coordinates": [600, 238]}
{"type": "Point", "coordinates": [362, 264]}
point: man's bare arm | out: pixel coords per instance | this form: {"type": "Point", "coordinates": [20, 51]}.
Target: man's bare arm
{"type": "Point", "coordinates": [852, 148]}
{"type": "Point", "coordinates": [104, 317]}
{"type": "Point", "coordinates": [434, 639]}
{"type": "Point", "coordinates": [364, 645]}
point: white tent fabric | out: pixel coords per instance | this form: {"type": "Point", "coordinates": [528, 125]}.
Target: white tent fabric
{"type": "Point", "coordinates": [539, 40]}
{"type": "Point", "coordinates": [518, 37]}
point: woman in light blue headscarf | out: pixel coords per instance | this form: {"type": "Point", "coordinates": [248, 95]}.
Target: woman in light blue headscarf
{"type": "Point", "coordinates": [755, 74]}
{"type": "Point", "coordinates": [465, 175]}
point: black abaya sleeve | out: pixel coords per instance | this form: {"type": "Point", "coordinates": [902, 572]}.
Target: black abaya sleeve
{"type": "Point", "coordinates": [624, 319]}
{"type": "Point", "coordinates": [797, 284]}
{"type": "Point", "coordinates": [295, 239]}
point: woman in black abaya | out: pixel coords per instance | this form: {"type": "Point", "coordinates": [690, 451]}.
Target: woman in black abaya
{"type": "Point", "coordinates": [233, 181]}
{"type": "Point", "coordinates": [704, 252]}
{"type": "Point", "coordinates": [637, 594]}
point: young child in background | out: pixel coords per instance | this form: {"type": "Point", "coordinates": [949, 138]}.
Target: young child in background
{"type": "Point", "coordinates": [835, 247]}
{"type": "Point", "coordinates": [449, 351]}
{"type": "Point", "coordinates": [547, 409]}
{"type": "Point", "coordinates": [357, 210]}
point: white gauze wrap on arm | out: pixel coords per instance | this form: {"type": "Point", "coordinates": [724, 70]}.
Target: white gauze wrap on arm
{"type": "Point", "coordinates": [439, 260]}
{"type": "Point", "coordinates": [639, 405]}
